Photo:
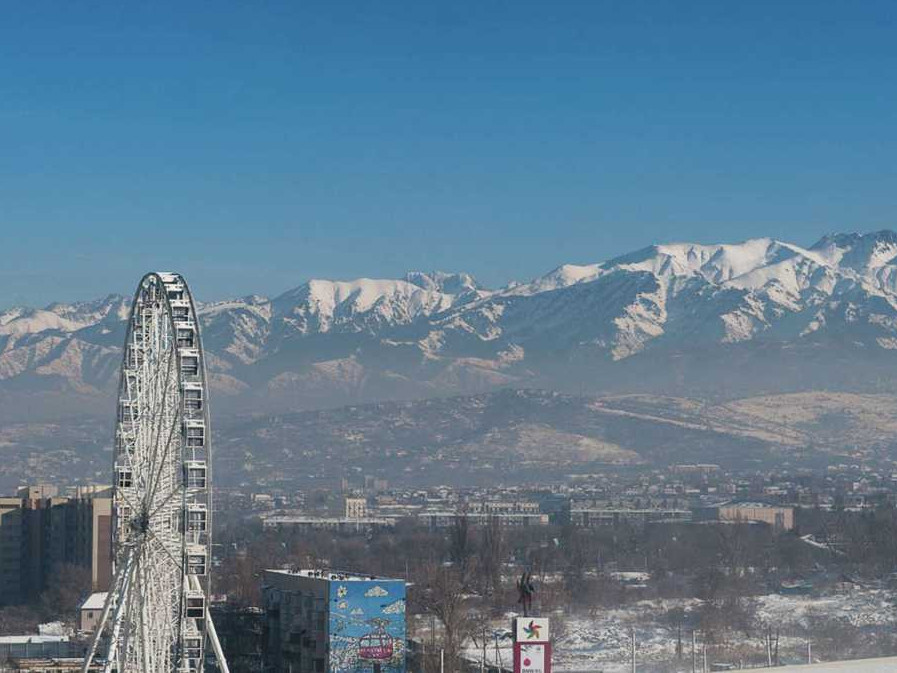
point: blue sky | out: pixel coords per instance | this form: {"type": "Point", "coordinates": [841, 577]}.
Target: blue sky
{"type": "Point", "coordinates": [252, 145]}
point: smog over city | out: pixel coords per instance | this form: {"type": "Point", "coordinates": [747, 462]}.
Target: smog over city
{"type": "Point", "coordinates": [448, 338]}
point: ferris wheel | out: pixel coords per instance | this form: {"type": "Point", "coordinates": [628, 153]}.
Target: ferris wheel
{"type": "Point", "coordinates": [156, 617]}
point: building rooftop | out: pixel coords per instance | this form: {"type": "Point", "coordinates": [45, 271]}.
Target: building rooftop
{"type": "Point", "coordinates": [32, 639]}
{"type": "Point", "coordinates": [328, 574]}
{"type": "Point", "coordinates": [95, 601]}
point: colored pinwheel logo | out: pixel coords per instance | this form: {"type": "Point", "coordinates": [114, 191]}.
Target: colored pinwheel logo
{"type": "Point", "coordinates": [532, 631]}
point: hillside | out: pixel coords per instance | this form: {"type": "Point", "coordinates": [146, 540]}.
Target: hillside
{"type": "Point", "coordinates": [509, 435]}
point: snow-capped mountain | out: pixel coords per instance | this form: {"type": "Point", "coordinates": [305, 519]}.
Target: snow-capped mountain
{"type": "Point", "coordinates": [663, 313]}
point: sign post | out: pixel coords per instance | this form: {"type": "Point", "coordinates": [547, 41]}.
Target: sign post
{"type": "Point", "coordinates": [532, 645]}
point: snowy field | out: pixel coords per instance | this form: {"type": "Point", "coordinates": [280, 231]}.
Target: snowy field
{"type": "Point", "coordinates": [600, 642]}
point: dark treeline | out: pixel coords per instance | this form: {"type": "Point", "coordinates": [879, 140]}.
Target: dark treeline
{"type": "Point", "coordinates": [67, 587]}
{"type": "Point", "coordinates": [700, 560]}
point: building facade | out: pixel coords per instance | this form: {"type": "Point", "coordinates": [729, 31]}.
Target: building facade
{"type": "Point", "coordinates": [323, 621]}
{"type": "Point", "coordinates": [41, 530]}
{"type": "Point", "coordinates": [11, 528]}
{"type": "Point", "coordinates": [780, 518]}
{"type": "Point", "coordinates": [356, 508]}
{"type": "Point", "coordinates": [592, 517]}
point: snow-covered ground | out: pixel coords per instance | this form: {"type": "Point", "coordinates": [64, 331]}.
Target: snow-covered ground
{"type": "Point", "coordinates": [600, 642]}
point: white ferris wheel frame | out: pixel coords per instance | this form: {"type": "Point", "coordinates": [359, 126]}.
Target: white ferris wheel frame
{"type": "Point", "coordinates": [156, 617]}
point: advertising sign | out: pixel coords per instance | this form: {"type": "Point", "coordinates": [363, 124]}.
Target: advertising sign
{"type": "Point", "coordinates": [532, 649]}
{"type": "Point", "coordinates": [531, 630]}
{"type": "Point", "coordinates": [367, 626]}
{"type": "Point", "coordinates": [532, 658]}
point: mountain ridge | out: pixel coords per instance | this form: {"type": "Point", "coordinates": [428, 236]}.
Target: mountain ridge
{"type": "Point", "coordinates": [760, 303]}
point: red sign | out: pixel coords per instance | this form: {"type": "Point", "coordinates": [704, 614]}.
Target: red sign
{"type": "Point", "coordinates": [532, 657]}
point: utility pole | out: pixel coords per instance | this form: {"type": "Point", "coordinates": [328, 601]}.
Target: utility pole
{"type": "Point", "coordinates": [694, 653]}
{"type": "Point", "coordinates": [809, 651]}
{"type": "Point", "coordinates": [704, 656]}
{"type": "Point", "coordinates": [632, 647]}
{"type": "Point", "coordinates": [441, 661]}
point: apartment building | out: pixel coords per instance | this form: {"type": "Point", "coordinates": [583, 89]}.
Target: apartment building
{"type": "Point", "coordinates": [40, 529]}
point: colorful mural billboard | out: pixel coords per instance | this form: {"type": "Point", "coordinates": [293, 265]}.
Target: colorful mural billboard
{"type": "Point", "coordinates": [367, 626]}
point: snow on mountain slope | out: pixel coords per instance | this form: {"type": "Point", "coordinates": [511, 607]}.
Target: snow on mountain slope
{"type": "Point", "coordinates": [361, 305]}
{"type": "Point", "coordinates": [435, 332]}
{"type": "Point", "coordinates": [235, 332]}
{"type": "Point", "coordinates": [20, 321]}
{"type": "Point", "coordinates": [682, 293]}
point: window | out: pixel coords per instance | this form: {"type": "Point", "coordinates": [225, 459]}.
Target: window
{"type": "Point", "coordinates": [193, 398]}
{"type": "Point", "coordinates": [128, 412]}
{"type": "Point", "coordinates": [124, 516]}
{"type": "Point", "coordinates": [196, 564]}
{"type": "Point", "coordinates": [196, 436]}
{"type": "Point", "coordinates": [192, 646]}
{"type": "Point", "coordinates": [196, 475]}
{"type": "Point", "coordinates": [125, 477]}
{"type": "Point", "coordinates": [197, 520]}
{"type": "Point", "coordinates": [185, 337]}
{"type": "Point", "coordinates": [135, 357]}
{"type": "Point", "coordinates": [190, 365]}
{"type": "Point", "coordinates": [196, 606]}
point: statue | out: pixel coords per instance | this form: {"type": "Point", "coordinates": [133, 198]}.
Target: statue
{"type": "Point", "coordinates": [527, 590]}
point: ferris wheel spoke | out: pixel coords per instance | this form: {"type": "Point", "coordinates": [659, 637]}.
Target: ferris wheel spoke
{"type": "Point", "coordinates": [163, 463]}
{"type": "Point", "coordinates": [176, 491]}
{"type": "Point", "coordinates": [168, 554]}
{"type": "Point", "coordinates": [157, 430]}
{"type": "Point", "coordinates": [152, 448]}
{"type": "Point", "coordinates": [130, 503]}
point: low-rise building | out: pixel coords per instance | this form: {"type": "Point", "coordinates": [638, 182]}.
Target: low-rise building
{"type": "Point", "coordinates": [443, 518]}
{"type": "Point", "coordinates": [90, 611]}
{"type": "Point", "coordinates": [342, 524]}
{"type": "Point", "coordinates": [591, 517]}
{"type": "Point", "coordinates": [780, 518]}
{"type": "Point", "coordinates": [319, 621]}
{"type": "Point", "coordinates": [356, 508]}
{"type": "Point", "coordinates": [36, 646]}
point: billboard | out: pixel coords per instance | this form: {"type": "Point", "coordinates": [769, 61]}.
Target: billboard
{"type": "Point", "coordinates": [532, 649]}
{"type": "Point", "coordinates": [367, 626]}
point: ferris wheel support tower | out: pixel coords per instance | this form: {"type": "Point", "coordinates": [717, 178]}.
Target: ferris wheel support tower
{"type": "Point", "coordinates": [156, 617]}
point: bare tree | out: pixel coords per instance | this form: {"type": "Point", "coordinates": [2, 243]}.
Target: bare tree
{"type": "Point", "coordinates": [69, 584]}
{"type": "Point", "coordinates": [492, 556]}
{"type": "Point", "coordinates": [461, 547]}
{"type": "Point", "coordinates": [442, 594]}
